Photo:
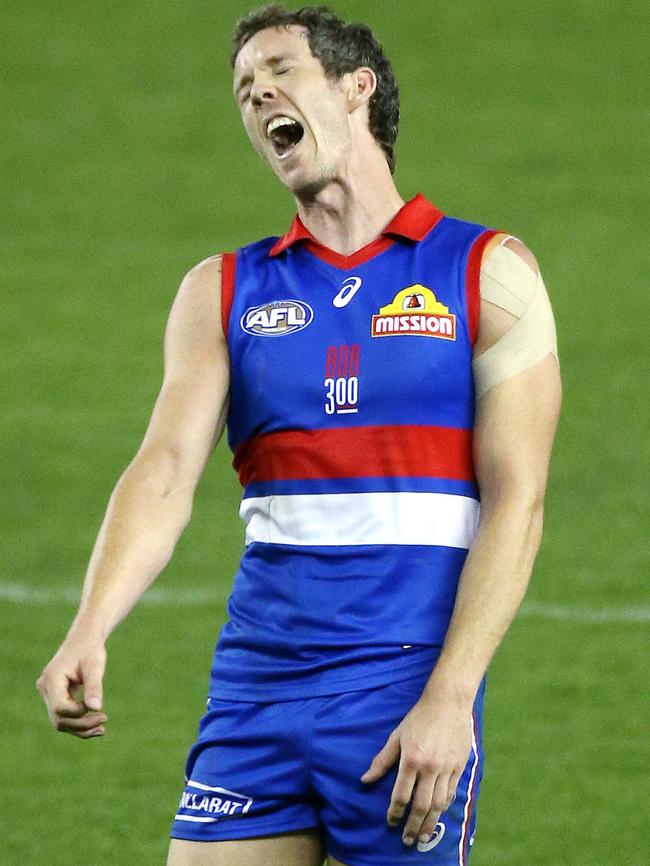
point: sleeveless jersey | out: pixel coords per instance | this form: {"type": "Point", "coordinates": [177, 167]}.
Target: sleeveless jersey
{"type": "Point", "coordinates": [351, 417]}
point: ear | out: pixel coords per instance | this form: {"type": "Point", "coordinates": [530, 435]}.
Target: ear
{"type": "Point", "coordinates": [361, 85]}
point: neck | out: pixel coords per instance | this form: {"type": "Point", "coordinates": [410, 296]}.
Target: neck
{"type": "Point", "coordinates": [352, 210]}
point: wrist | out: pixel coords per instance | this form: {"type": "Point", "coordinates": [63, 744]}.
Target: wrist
{"type": "Point", "coordinates": [88, 630]}
{"type": "Point", "coordinates": [458, 691]}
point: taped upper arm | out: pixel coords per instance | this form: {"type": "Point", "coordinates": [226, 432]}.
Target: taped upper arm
{"type": "Point", "coordinates": [516, 324]}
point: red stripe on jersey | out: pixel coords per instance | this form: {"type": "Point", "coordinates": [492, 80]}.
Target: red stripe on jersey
{"type": "Point", "coordinates": [357, 452]}
{"type": "Point", "coordinates": [473, 281]}
{"type": "Point", "coordinates": [228, 267]}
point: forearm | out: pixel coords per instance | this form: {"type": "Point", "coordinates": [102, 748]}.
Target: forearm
{"type": "Point", "coordinates": [146, 515]}
{"type": "Point", "coordinates": [492, 585]}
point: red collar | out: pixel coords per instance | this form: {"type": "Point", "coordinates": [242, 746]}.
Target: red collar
{"type": "Point", "coordinates": [413, 221]}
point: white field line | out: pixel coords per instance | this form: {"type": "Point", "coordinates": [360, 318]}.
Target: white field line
{"type": "Point", "coordinates": [575, 613]}
{"type": "Point", "coordinates": [21, 593]}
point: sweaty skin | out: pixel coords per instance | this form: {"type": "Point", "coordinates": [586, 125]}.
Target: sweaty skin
{"type": "Point", "coordinates": [345, 195]}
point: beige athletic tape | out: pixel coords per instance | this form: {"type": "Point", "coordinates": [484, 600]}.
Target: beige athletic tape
{"type": "Point", "coordinates": [509, 283]}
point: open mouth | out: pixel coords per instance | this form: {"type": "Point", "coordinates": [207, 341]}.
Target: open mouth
{"type": "Point", "coordinates": [284, 133]}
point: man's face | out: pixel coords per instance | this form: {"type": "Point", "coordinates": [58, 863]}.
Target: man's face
{"type": "Point", "coordinates": [295, 117]}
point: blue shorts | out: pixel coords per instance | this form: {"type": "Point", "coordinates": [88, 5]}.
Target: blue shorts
{"type": "Point", "coordinates": [258, 769]}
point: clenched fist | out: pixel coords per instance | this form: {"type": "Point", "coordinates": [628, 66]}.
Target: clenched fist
{"type": "Point", "coordinates": [71, 686]}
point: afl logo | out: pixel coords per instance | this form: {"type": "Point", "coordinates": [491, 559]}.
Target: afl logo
{"type": "Point", "coordinates": [277, 318]}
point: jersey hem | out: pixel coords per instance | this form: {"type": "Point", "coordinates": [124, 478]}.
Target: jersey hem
{"type": "Point", "coordinates": [259, 693]}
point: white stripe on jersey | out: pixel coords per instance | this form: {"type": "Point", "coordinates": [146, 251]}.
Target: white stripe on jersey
{"type": "Point", "coordinates": [336, 519]}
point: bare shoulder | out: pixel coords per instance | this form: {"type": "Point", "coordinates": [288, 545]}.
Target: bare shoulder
{"type": "Point", "coordinates": [190, 412]}
{"type": "Point", "coordinates": [205, 271]}
{"type": "Point", "coordinates": [201, 285]}
{"type": "Point", "coordinates": [195, 318]}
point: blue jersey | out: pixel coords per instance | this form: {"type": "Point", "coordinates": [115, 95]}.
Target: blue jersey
{"type": "Point", "coordinates": [351, 419]}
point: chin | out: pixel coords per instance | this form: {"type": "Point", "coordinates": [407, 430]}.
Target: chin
{"type": "Point", "coordinates": [305, 183]}
{"type": "Point", "coordinates": [309, 189]}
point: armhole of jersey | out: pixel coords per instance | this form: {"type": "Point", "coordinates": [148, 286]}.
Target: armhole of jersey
{"type": "Point", "coordinates": [228, 267]}
{"type": "Point", "coordinates": [473, 279]}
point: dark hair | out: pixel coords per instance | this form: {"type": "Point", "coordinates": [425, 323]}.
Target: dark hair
{"type": "Point", "coordinates": [340, 47]}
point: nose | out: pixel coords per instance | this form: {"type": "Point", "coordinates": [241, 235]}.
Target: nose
{"type": "Point", "coordinates": [262, 92]}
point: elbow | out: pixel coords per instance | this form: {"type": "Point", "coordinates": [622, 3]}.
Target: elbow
{"type": "Point", "coordinates": [531, 502]}
{"type": "Point", "coordinates": [532, 511]}
{"type": "Point", "coordinates": [159, 472]}
{"type": "Point", "coordinates": [520, 509]}
{"type": "Point", "coordinates": [536, 525]}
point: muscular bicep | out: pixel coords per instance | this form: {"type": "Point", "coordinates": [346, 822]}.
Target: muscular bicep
{"type": "Point", "coordinates": [513, 436]}
{"type": "Point", "coordinates": [190, 412]}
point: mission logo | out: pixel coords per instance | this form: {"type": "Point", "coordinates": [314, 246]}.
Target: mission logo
{"type": "Point", "coordinates": [416, 311]}
{"type": "Point", "coordinates": [277, 318]}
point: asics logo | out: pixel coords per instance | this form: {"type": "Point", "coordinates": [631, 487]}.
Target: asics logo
{"type": "Point", "coordinates": [348, 290]}
{"type": "Point", "coordinates": [438, 833]}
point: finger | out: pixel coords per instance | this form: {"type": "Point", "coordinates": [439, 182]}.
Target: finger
{"type": "Point", "coordinates": [56, 692]}
{"type": "Point", "coordinates": [452, 788]}
{"type": "Point", "coordinates": [428, 826]}
{"type": "Point", "coordinates": [430, 823]}
{"type": "Point", "coordinates": [383, 760]}
{"type": "Point", "coordinates": [85, 723]}
{"type": "Point", "coordinates": [60, 702]}
{"type": "Point", "coordinates": [92, 672]}
{"type": "Point", "coordinates": [88, 735]}
{"type": "Point", "coordinates": [438, 803]}
{"type": "Point", "coordinates": [402, 792]}
{"type": "Point", "coordinates": [419, 809]}
{"type": "Point", "coordinates": [68, 708]}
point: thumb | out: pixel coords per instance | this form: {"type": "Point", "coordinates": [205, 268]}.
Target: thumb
{"type": "Point", "coordinates": [383, 760]}
{"type": "Point", "coordinates": [92, 672]}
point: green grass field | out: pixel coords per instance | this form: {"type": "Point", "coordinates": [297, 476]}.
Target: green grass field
{"type": "Point", "coordinates": [123, 163]}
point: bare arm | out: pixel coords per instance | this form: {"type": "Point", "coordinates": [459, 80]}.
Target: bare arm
{"type": "Point", "coordinates": [152, 501]}
{"type": "Point", "coordinates": [515, 425]}
{"type": "Point", "coordinates": [513, 436]}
